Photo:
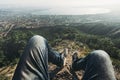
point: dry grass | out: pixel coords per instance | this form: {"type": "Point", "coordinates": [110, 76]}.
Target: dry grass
{"type": "Point", "coordinates": [64, 73]}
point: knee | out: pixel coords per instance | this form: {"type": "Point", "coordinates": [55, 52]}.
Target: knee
{"type": "Point", "coordinates": [37, 37]}
{"type": "Point", "coordinates": [100, 54]}
{"type": "Point", "coordinates": [37, 40]}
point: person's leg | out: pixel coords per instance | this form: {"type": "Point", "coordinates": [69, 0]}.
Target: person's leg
{"type": "Point", "coordinates": [97, 66]}
{"type": "Point", "coordinates": [33, 64]}
{"type": "Point", "coordinates": [55, 57]}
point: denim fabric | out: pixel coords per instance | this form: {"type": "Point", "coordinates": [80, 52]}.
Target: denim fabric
{"type": "Point", "coordinates": [97, 66]}
{"type": "Point", "coordinates": [33, 64]}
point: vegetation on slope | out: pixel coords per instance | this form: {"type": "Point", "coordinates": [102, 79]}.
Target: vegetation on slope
{"type": "Point", "coordinates": [12, 46]}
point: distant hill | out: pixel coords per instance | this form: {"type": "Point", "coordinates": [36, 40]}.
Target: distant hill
{"type": "Point", "coordinates": [99, 28]}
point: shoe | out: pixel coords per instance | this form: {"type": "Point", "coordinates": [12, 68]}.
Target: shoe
{"type": "Point", "coordinates": [72, 71]}
{"type": "Point", "coordinates": [74, 56]}
{"type": "Point", "coordinates": [63, 57]}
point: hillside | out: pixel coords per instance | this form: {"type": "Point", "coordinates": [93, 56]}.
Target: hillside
{"type": "Point", "coordinates": [61, 74]}
{"type": "Point", "coordinates": [111, 30]}
{"type": "Point", "coordinates": [82, 33]}
{"type": "Point", "coordinates": [59, 38]}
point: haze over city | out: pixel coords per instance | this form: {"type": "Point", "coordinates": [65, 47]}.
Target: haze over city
{"type": "Point", "coordinates": [63, 7]}
{"type": "Point", "coordinates": [59, 3]}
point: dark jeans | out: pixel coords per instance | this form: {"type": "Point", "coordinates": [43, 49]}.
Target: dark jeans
{"type": "Point", "coordinates": [97, 66]}
{"type": "Point", "coordinates": [33, 64]}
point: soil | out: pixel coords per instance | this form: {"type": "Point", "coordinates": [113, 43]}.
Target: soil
{"type": "Point", "coordinates": [63, 73]}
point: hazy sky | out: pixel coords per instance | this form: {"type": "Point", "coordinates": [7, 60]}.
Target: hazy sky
{"type": "Point", "coordinates": [59, 3]}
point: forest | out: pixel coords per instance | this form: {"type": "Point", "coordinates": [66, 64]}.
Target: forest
{"type": "Point", "coordinates": [94, 36]}
{"type": "Point", "coordinates": [12, 46]}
